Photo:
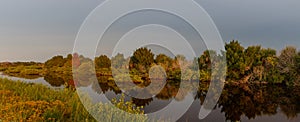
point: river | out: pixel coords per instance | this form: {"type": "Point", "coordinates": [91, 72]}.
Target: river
{"type": "Point", "coordinates": [259, 104]}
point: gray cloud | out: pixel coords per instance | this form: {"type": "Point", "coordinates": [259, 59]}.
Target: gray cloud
{"type": "Point", "coordinates": [37, 30]}
{"type": "Point", "coordinates": [270, 23]}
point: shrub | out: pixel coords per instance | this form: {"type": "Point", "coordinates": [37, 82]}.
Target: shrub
{"type": "Point", "coordinates": [35, 102]}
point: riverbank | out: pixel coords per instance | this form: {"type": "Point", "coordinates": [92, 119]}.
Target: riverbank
{"type": "Point", "coordinates": [35, 102]}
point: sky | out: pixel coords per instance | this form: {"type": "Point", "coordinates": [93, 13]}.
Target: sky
{"type": "Point", "coordinates": [35, 30]}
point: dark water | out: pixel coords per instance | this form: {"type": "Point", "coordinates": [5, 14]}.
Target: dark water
{"type": "Point", "coordinates": [258, 103]}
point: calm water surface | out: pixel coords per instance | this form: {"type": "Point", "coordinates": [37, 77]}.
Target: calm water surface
{"type": "Point", "coordinates": [245, 103]}
{"type": "Point", "coordinates": [38, 80]}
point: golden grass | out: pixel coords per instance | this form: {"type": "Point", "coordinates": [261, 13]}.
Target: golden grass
{"type": "Point", "coordinates": [33, 102]}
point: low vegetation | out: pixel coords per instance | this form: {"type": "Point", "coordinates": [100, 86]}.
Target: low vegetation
{"type": "Point", "coordinates": [33, 102]}
{"type": "Point", "coordinates": [20, 69]}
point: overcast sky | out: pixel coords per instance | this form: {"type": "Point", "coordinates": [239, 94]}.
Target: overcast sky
{"type": "Point", "coordinates": [37, 30]}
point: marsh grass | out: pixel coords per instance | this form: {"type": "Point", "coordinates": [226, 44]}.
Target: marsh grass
{"type": "Point", "coordinates": [23, 70]}
{"type": "Point", "coordinates": [35, 102]}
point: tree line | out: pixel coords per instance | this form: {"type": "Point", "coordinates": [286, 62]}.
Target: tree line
{"type": "Point", "coordinates": [253, 64]}
{"type": "Point", "coordinates": [244, 65]}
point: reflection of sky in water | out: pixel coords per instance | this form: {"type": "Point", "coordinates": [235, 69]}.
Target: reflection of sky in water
{"type": "Point", "coordinates": [37, 81]}
{"type": "Point", "coordinates": [157, 104]}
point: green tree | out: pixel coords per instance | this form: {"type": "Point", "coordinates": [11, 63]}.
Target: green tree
{"type": "Point", "coordinates": [253, 62]}
{"type": "Point", "coordinates": [205, 64]}
{"type": "Point", "coordinates": [164, 61]}
{"type": "Point", "coordinates": [235, 61]}
{"type": "Point", "coordinates": [56, 61]}
{"type": "Point", "coordinates": [142, 60]}
{"type": "Point", "coordinates": [204, 60]}
{"type": "Point", "coordinates": [68, 67]}
{"type": "Point", "coordinates": [69, 57]}
{"type": "Point", "coordinates": [271, 73]}
{"type": "Point", "coordinates": [253, 56]}
{"type": "Point", "coordinates": [102, 62]}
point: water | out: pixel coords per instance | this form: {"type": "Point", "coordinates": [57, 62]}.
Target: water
{"type": "Point", "coordinates": [39, 80]}
{"type": "Point", "coordinates": [267, 103]}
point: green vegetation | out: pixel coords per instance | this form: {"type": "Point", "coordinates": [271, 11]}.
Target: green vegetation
{"type": "Point", "coordinates": [102, 62]}
{"type": "Point", "coordinates": [253, 64]}
{"type": "Point", "coordinates": [27, 102]}
{"type": "Point", "coordinates": [22, 69]}
{"type": "Point", "coordinates": [256, 64]}
{"type": "Point", "coordinates": [59, 65]}
{"type": "Point", "coordinates": [248, 70]}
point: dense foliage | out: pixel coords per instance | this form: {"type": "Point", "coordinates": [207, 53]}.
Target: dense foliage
{"type": "Point", "coordinates": [253, 64]}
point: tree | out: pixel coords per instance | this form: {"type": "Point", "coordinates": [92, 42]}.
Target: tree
{"type": "Point", "coordinates": [253, 62]}
{"type": "Point", "coordinates": [287, 64]}
{"type": "Point", "coordinates": [271, 73]}
{"type": "Point", "coordinates": [75, 60]}
{"type": "Point", "coordinates": [205, 61]}
{"type": "Point", "coordinates": [253, 56]}
{"type": "Point", "coordinates": [205, 64]}
{"type": "Point", "coordinates": [164, 61]}
{"type": "Point", "coordinates": [287, 59]}
{"type": "Point", "coordinates": [142, 60]}
{"type": "Point", "coordinates": [57, 61]}
{"type": "Point", "coordinates": [297, 59]}
{"type": "Point", "coordinates": [180, 62]}
{"type": "Point", "coordinates": [69, 57]}
{"type": "Point", "coordinates": [162, 58]}
{"type": "Point", "coordinates": [235, 60]}
{"type": "Point", "coordinates": [102, 62]}
{"type": "Point", "coordinates": [118, 61]}
{"type": "Point", "coordinates": [68, 67]}
{"type": "Point", "coordinates": [180, 57]}
{"type": "Point", "coordinates": [84, 74]}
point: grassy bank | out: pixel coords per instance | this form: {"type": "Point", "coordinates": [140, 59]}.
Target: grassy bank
{"type": "Point", "coordinates": [33, 102]}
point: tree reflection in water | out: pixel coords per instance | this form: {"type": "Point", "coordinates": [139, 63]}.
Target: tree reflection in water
{"type": "Point", "coordinates": [55, 80]}
{"type": "Point", "coordinates": [258, 100]}
{"type": "Point", "coordinates": [236, 100]}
